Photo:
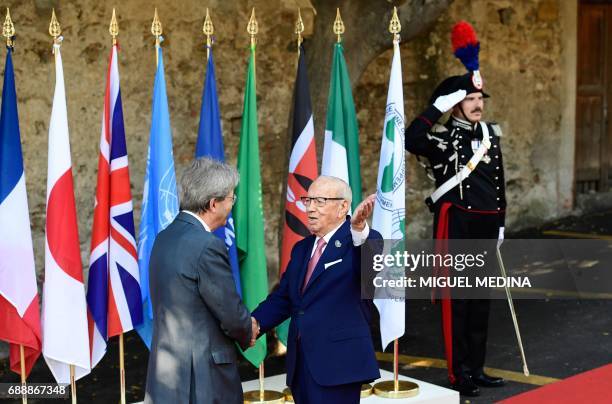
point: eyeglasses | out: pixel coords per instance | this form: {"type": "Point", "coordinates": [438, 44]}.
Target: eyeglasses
{"type": "Point", "coordinates": [233, 197]}
{"type": "Point", "coordinates": [318, 200]}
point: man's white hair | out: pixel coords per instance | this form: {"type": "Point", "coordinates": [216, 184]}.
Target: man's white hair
{"type": "Point", "coordinates": [343, 190]}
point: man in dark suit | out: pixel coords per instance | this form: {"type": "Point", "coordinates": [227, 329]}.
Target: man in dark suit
{"type": "Point", "coordinates": [330, 351]}
{"type": "Point", "coordinates": [198, 312]}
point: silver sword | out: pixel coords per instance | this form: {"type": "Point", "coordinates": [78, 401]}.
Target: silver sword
{"type": "Point", "coordinates": [512, 312]}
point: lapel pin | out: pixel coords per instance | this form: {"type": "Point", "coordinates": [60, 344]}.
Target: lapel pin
{"type": "Point", "coordinates": [338, 244]}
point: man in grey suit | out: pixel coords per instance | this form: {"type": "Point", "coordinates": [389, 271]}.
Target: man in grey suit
{"type": "Point", "coordinates": [198, 312]}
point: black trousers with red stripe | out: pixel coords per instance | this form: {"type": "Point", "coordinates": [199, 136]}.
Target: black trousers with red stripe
{"type": "Point", "coordinates": [465, 321]}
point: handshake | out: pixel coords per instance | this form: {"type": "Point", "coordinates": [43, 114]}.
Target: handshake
{"type": "Point", "coordinates": [255, 331]}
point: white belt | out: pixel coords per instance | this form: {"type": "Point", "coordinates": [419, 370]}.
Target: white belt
{"type": "Point", "coordinates": [467, 169]}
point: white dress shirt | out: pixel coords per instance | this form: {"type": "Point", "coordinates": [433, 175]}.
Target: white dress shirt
{"type": "Point", "coordinates": [199, 219]}
{"type": "Point", "coordinates": [359, 237]}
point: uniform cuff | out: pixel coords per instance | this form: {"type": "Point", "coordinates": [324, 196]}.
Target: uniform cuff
{"type": "Point", "coordinates": [431, 115]}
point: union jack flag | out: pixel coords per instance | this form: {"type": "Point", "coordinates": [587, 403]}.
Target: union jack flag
{"type": "Point", "coordinates": [113, 295]}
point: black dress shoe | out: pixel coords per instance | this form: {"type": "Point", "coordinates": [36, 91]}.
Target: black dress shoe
{"type": "Point", "coordinates": [482, 379]}
{"type": "Point", "coordinates": [466, 387]}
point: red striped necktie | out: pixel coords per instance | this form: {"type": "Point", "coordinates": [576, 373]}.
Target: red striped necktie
{"type": "Point", "coordinates": [313, 262]}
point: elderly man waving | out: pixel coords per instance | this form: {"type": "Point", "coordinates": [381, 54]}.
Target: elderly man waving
{"type": "Point", "coordinates": [198, 313]}
{"type": "Point", "coordinates": [330, 351]}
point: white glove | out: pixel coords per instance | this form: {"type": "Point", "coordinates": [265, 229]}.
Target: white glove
{"type": "Point", "coordinates": [500, 238]}
{"type": "Point", "coordinates": [445, 103]}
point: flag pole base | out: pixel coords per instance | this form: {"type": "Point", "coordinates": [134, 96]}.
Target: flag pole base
{"type": "Point", "coordinates": [404, 389]}
{"type": "Point", "coordinates": [268, 397]}
{"type": "Point", "coordinates": [288, 395]}
{"type": "Point", "coordinates": [366, 390]}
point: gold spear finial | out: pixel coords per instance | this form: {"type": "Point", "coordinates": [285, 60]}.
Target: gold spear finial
{"type": "Point", "coordinates": [338, 25]}
{"type": "Point", "coordinates": [54, 28]}
{"type": "Point", "coordinates": [395, 26]}
{"type": "Point", "coordinates": [208, 29]}
{"type": "Point", "coordinates": [299, 28]}
{"type": "Point", "coordinates": [8, 29]}
{"type": "Point", "coordinates": [113, 28]}
{"type": "Point", "coordinates": [156, 30]}
{"type": "Point", "coordinates": [253, 27]}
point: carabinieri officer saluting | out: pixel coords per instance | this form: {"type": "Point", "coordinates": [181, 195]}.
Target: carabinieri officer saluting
{"type": "Point", "coordinates": [469, 202]}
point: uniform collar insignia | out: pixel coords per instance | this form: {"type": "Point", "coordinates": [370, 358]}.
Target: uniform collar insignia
{"type": "Point", "coordinates": [460, 123]}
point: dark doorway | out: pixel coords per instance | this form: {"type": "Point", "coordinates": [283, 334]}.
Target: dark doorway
{"type": "Point", "coordinates": [594, 95]}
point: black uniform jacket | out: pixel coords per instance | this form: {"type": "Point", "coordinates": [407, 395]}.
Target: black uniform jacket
{"type": "Point", "coordinates": [448, 148]}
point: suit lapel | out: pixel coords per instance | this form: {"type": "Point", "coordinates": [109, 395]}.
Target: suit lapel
{"type": "Point", "coordinates": [306, 258]}
{"type": "Point", "coordinates": [340, 241]}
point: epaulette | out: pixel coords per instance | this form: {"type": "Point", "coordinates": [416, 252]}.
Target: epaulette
{"type": "Point", "coordinates": [496, 129]}
{"type": "Point", "coordinates": [437, 128]}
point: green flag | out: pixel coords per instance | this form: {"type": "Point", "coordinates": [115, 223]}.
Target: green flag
{"type": "Point", "coordinates": [341, 146]}
{"type": "Point", "coordinates": [248, 213]}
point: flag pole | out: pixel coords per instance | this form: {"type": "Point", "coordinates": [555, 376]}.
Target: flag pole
{"type": "Point", "coordinates": [396, 365]}
{"type": "Point", "coordinates": [113, 29]}
{"type": "Point", "coordinates": [396, 388]}
{"type": "Point", "coordinates": [338, 28]}
{"type": "Point", "coordinates": [55, 30]}
{"type": "Point", "coordinates": [261, 395]}
{"type": "Point", "coordinates": [299, 28]}
{"type": "Point", "coordinates": [122, 368]}
{"type": "Point", "coordinates": [261, 382]}
{"type": "Point", "coordinates": [208, 30]}
{"type": "Point", "coordinates": [73, 392]}
{"type": "Point", "coordinates": [24, 396]}
{"type": "Point", "coordinates": [8, 31]}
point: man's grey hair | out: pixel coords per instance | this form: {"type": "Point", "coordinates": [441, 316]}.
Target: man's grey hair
{"type": "Point", "coordinates": [203, 180]}
{"type": "Point", "coordinates": [343, 190]}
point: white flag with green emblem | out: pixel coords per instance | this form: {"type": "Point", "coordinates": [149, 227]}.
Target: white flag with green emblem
{"type": "Point", "coordinates": [389, 210]}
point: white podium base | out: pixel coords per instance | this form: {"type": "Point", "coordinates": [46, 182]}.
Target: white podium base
{"type": "Point", "coordinates": [428, 393]}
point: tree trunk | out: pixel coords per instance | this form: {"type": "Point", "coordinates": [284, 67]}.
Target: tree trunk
{"type": "Point", "coordinates": [366, 36]}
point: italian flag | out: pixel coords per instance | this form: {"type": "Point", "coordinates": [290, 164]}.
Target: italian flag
{"type": "Point", "coordinates": [341, 146]}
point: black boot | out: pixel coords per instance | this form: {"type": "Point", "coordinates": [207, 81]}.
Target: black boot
{"type": "Point", "coordinates": [466, 387]}
{"type": "Point", "coordinates": [480, 378]}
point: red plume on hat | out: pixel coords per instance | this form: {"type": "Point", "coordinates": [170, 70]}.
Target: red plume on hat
{"type": "Point", "coordinates": [466, 48]}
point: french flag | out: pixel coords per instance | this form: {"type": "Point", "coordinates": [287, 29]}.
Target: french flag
{"type": "Point", "coordinates": [113, 295]}
{"type": "Point", "coordinates": [19, 310]}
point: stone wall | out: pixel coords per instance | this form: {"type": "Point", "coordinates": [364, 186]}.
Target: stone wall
{"type": "Point", "coordinates": [85, 52]}
{"type": "Point", "coordinates": [521, 60]}
{"type": "Point", "coordinates": [522, 45]}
